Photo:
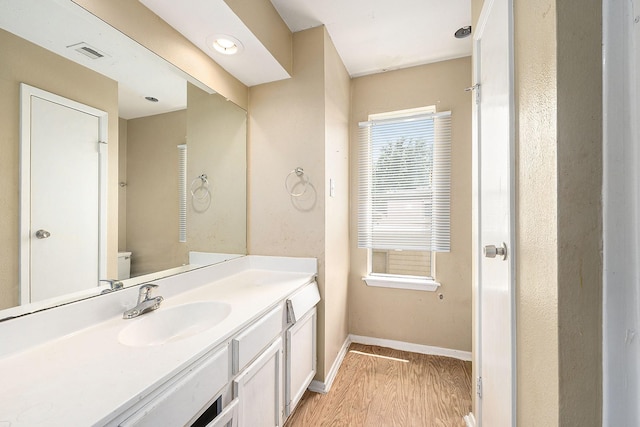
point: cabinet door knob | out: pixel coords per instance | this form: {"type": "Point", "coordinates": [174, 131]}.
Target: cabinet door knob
{"type": "Point", "coordinates": [491, 251]}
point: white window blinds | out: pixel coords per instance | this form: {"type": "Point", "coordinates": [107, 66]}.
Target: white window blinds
{"type": "Point", "coordinates": [182, 193]}
{"type": "Point", "coordinates": [404, 183]}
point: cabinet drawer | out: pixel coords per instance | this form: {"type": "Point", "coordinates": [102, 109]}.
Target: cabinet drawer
{"type": "Point", "coordinates": [256, 337]}
{"type": "Point", "coordinates": [177, 404]}
{"type": "Point", "coordinates": [301, 302]}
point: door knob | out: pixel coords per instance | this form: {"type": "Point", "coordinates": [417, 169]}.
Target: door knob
{"type": "Point", "coordinates": [42, 234]}
{"type": "Point", "coordinates": [491, 251]}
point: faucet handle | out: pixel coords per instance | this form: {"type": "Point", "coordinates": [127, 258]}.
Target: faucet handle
{"type": "Point", "coordinates": [145, 291]}
{"type": "Point", "coordinates": [114, 285]}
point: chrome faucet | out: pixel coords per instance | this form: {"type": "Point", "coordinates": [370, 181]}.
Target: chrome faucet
{"type": "Point", "coordinates": [114, 285]}
{"type": "Point", "coordinates": [145, 302]}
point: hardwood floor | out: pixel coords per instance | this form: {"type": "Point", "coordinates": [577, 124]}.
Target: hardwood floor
{"type": "Point", "coordinates": [378, 386]}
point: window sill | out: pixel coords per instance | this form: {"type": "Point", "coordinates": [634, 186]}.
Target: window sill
{"type": "Point", "coordinates": [399, 282]}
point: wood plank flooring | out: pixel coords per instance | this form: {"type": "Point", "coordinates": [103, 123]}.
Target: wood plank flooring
{"type": "Point", "coordinates": [379, 387]}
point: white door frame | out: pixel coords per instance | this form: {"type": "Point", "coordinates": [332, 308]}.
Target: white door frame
{"type": "Point", "coordinates": [476, 209]}
{"type": "Point", "coordinates": [26, 94]}
{"type": "Point", "coordinates": [621, 207]}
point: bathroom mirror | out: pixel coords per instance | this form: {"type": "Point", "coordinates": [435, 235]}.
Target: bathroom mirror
{"type": "Point", "coordinates": [176, 171]}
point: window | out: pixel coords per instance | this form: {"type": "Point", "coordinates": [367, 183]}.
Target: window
{"type": "Point", "coordinates": [404, 194]}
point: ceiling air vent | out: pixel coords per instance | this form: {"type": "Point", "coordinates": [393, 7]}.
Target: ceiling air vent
{"type": "Point", "coordinates": [87, 50]}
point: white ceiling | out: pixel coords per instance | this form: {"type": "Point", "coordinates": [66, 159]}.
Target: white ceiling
{"type": "Point", "coordinates": [57, 24]}
{"type": "Point", "coordinates": [377, 35]}
{"type": "Point", "coordinates": [370, 36]}
{"type": "Point", "coordinates": [199, 20]}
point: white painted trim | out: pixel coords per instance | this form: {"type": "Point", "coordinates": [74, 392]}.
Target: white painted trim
{"type": "Point", "coordinates": [620, 208]}
{"type": "Point", "coordinates": [414, 348]}
{"type": "Point", "coordinates": [470, 420]}
{"type": "Point", "coordinates": [400, 282]}
{"type": "Point", "coordinates": [324, 387]}
{"type": "Point", "coordinates": [476, 261]}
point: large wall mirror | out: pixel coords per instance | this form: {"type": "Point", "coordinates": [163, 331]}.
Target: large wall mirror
{"type": "Point", "coordinates": [175, 158]}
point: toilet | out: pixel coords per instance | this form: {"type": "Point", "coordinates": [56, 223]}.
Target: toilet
{"type": "Point", "coordinates": [124, 265]}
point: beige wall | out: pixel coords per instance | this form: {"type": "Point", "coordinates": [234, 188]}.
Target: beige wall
{"type": "Point", "coordinates": [288, 128]}
{"type": "Point", "coordinates": [145, 27]}
{"type": "Point", "coordinates": [152, 192]}
{"type": "Point", "coordinates": [476, 8]}
{"type": "Point", "coordinates": [22, 61]}
{"type": "Point", "coordinates": [337, 103]}
{"type": "Point", "coordinates": [216, 146]}
{"type": "Point", "coordinates": [536, 216]}
{"type": "Point", "coordinates": [405, 315]}
{"type": "Point", "coordinates": [262, 18]}
{"type": "Point", "coordinates": [579, 115]}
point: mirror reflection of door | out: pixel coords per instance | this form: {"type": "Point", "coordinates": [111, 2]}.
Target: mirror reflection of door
{"type": "Point", "coordinates": [63, 194]}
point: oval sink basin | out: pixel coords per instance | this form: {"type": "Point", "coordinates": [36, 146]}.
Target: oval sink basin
{"type": "Point", "coordinates": [173, 324]}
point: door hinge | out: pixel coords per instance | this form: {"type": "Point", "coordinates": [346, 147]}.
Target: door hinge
{"type": "Point", "coordinates": [479, 387]}
{"type": "Point", "coordinates": [476, 89]}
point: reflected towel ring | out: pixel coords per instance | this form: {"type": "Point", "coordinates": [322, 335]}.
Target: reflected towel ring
{"type": "Point", "coordinates": [202, 188]}
{"type": "Point", "coordinates": [304, 179]}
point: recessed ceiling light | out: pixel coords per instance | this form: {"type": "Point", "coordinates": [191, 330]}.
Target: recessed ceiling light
{"type": "Point", "coordinates": [463, 32]}
{"type": "Point", "coordinates": [225, 44]}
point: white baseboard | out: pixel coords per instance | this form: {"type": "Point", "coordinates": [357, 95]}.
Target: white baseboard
{"type": "Point", "coordinates": [324, 387]}
{"type": "Point", "coordinates": [470, 420]}
{"type": "Point", "coordinates": [414, 348]}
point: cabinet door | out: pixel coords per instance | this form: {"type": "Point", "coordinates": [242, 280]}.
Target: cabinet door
{"type": "Point", "coordinates": [259, 390]}
{"type": "Point", "coordinates": [300, 359]}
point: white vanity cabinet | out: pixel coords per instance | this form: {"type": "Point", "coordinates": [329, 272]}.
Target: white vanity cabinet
{"type": "Point", "coordinates": [255, 379]}
{"type": "Point", "coordinates": [245, 368]}
{"type": "Point", "coordinates": [300, 344]}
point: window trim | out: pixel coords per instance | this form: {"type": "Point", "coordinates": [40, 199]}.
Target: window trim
{"type": "Point", "coordinates": [397, 281]}
{"type": "Point", "coordinates": [401, 281]}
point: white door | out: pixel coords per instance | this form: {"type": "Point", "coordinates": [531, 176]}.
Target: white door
{"type": "Point", "coordinates": [495, 272]}
{"type": "Point", "coordinates": [61, 191]}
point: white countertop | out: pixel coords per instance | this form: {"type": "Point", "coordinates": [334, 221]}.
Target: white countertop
{"type": "Point", "coordinates": [87, 377]}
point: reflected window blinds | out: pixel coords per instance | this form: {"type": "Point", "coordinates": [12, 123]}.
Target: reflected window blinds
{"type": "Point", "coordinates": [182, 193]}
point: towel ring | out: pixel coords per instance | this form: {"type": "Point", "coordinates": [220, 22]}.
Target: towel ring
{"type": "Point", "coordinates": [200, 184]}
{"type": "Point", "coordinates": [299, 172]}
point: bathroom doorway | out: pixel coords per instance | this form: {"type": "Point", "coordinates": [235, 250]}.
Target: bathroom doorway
{"type": "Point", "coordinates": [63, 195]}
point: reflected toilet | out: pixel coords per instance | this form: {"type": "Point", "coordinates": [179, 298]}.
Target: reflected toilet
{"type": "Point", "coordinates": [124, 265]}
